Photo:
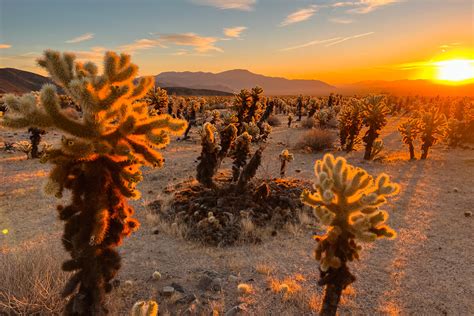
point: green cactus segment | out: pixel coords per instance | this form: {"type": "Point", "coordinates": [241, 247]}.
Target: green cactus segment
{"type": "Point", "coordinates": [98, 159]}
{"type": "Point", "coordinates": [347, 200]}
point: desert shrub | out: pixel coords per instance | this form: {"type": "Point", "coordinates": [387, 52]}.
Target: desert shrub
{"type": "Point", "coordinates": [347, 201]}
{"type": "Point", "coordinates": [274, 121]}
{"type": "Point", "coordinates": [308, 123]}
{"type": "Point", "coordinates": [31, 282]}
{"type": "Point", "coordinates": [99, 161]}
{"type": "Point", "coordinates": [374, 112]}
{"type": "Point", "coordinates": [316, 140]}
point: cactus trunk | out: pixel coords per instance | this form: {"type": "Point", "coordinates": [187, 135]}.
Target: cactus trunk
{"type": "Point", "coordinates": [412, 151]}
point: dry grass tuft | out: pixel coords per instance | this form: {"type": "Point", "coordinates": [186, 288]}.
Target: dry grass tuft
{"type": "Point", "coordinates": [31, 282]}
{"type": "Point", "coordinates": [316, 140]}
{"type": "Point", "coordinates": [264, 268]}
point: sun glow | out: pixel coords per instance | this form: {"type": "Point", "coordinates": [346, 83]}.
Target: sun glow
{"type": "Point", "coordinates": [456, 70]}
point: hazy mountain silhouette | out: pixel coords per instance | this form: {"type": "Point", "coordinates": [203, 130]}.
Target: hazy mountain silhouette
{"type": "Point", "coordinates": [235, 80]}
{"type": "Point", "coordinates": [18, 81]}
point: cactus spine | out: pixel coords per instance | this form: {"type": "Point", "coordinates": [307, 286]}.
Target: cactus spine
{"type": "Point", "coordinates": [347, 200]}
{"type": "Point", "coordinates": [99, 160]}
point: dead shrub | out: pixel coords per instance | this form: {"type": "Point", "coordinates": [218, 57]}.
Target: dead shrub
{"type": "Point", "coordinates": [309, 123]}
{"type": "Point", "coordinates": [273, 121]}
{"type": "Point", "coordinates": [316, 140]}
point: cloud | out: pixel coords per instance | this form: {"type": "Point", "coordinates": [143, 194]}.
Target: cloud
{"type": "Point", "coordinates": [364, 6]}
{"type": "Point", "coordinates": [81, 38]}
{"type": "Point", "coordinates": [234, 31]}
{"type": "Point", "coordinates": [349, 38]}
{"type": "Point", "coordinates": [200, 44]}
{"type": "Point", "coordinates": [5, 46]}
{"type": "Point", "coordinates": [300, 15]}
{"type": "Point", "coordinates": [94, 54]}
{"type": "Point", "coordinates": [341, 20]}
{"type": "Point", "coordinates": [329, 42]}
{"type": "Point", "coordinates": [243, 5]}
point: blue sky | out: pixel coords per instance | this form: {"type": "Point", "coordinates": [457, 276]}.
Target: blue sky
{"type": "Point", "coordinates": [332, 40]}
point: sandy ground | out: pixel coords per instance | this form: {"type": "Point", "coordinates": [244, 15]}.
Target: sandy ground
{"type": "Point", "coordinates": [427, 270]}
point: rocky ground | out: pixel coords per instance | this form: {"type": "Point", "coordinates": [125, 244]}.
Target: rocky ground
{"type": "Point", "coordinates": [427, 270]}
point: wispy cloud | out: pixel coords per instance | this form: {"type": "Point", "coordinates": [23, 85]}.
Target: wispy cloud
{"type": "Point", "coordinates": [200, 44]}
{"type": "Point", "coordinates": [341, 20]}
{"type": "Point", "coordinates": [5, 46]}
{"type": "Point", "coordinates": [243, 5]}
{"type": "Point", "coordinates": [364, 6]}
{"type": "Point", "coordinates": [81, 38]}
{"type": "Point", "coordinates": [349, 38]}
{"type": "Point", "coordinates": [234, 31]}
{"type": "Point", "coordinates": [328, 42]}
{"type": "Point", "coordinates": [300, 15]}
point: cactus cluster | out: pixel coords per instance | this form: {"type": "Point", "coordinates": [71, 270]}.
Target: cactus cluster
{"type": "Point", "coordinates": [285, 157]}
{"type": "Point", "coordinates": [348, 201]}
{"type": "Point", "coordinates": [157, 100]}
{"type": "Point", "coordinates": [99, 160]}
{"type": "Point", "coordinates": [142, 308]}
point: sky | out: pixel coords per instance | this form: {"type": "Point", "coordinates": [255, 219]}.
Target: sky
{"type": "Point", "coordinates": [331, 40]}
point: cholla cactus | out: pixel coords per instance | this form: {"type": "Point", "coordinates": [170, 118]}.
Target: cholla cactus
{"type": "Point", "coordinates": [99, 160]}
{"type": "Point", "coordinates": [35, 138]}
{"type": "Point", "coordinates": [255, 109]}
{"type": "Point", "coordinates": [142, 308]}
{"type": "Point", "coordinates": [432, 128]}
{"type": "Point", "coordinates": [299, 107]}
{"type": "Point", "coordinates": [374, 112]}
{"type": "Point", "coordinates": [455, 132]}
{"type": "Point", "coordinates": [212, 153]}
{"type": "Point", "coordinates": [157, 99]}
{"type": "Point", "coordinates": [290, 120]}
{"type": "Point", "coordinates": [350, 124]}
{"type": "Point", "coordinates": [409, 130]}
{"type": "Point", "coordinates": [242, 103]}
{"type": "Point", "coordinates": [250, 169]}
{"type": "Point", "coordinates": [285, 157]}
{"type": "Point", "coordinates": [24, 147]}
{"type": "Point", "coordinates": [347, 200]}
{"type": "Point", "coordinates": [240, 154]}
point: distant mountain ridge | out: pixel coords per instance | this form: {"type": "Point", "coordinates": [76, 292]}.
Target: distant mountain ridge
{"type": "Point", "coordinates": [228, 82]}
{"type": "Point", "coordinates": [237, 79]}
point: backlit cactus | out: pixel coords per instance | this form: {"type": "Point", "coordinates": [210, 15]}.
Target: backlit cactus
{"type": "Point", "coordinates": [347, 200]}
{"type": "Point", "coordinates": [432, 128]}
{"type": "Point", "coordinates": [374, 112]}
{"type": "Point", "coordinates": [99, 160]}
{"type": "Point", "coordinates": [285, 157]}
{"type": "Point", "coordinates": [350, 124]}
{"type": "Point", "coordinates": [409, 131]}
{"type": "Point", "coordinates": [142, 308]}
{"type": "Point", "coordinates": [157, 99]}
{"type": "Point", "coordinates": [240, 154]}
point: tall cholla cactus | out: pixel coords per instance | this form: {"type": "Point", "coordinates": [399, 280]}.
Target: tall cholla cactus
{"type": "Point", "coordinates": [285, 157]}
{"type": "Point", "coordinates": [240, 154]}
{"type": "Point", "coordinates": [99, 160]}
{"type": "Point", "coordinates": [409, 131]}
{"type": "Point", "coordinates": [374, 112]}
{"type": "Point", "coordinates": [350, 124]}
{"type": "Point", "coordinates": [432, 128]}
{"type": "Point", "coordinates": [347, 200]}
{"type": "Point", "coordinates": [157, 98]}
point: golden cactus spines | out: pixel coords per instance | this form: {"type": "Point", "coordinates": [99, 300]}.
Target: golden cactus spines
{"type": "Point", "coordinates": [98, 160]}
{"type": "Point", "coordinates": [347, 200]}
{"type": "Point", "coordinates": [142, 308]}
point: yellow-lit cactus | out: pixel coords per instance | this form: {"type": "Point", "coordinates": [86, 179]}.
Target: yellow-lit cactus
{"type": "Point", "coordinates": [347, 200]}
{"type": "Point", "coordinates": [142, 308]}
{"type": "Point", "coordinates": [98, 159]}
{"type": "Point", "coordinates": [374, 112]}
{"type": "Point", "coordinates": [285, 157]}
{"type": "Point", "coordinates": [432, 128]}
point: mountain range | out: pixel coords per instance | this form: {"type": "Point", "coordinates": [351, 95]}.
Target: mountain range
{"type": "Point", "coordinates": [229, 82]}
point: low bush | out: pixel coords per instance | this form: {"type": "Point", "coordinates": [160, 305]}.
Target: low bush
{"type": "Point", "coordinates": [273, 120]}
{"type": "Point", "coordinates": [316, 140]}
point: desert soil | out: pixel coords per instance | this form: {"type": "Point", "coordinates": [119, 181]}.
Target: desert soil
{"type": "Point", "coordinates": [427, 270]}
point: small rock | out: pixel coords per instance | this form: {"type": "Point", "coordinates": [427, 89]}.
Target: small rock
{"type": "Point", "coordinates": [216, 285]}
{"type": "Point", "coordinates": [455, 190]}
{"type": "Point", "coordinates": [233, 278]}
{"type": "Point", "coordinates": [205, 282]}
{"type": "Point", "coordinates": [156, 231]}
{"type": "Point", "coordinates": [468, 213]}
{"type": "Point", "coordinates": [298, 170]}
{"type": "Point", "coordinates": [150, 191]}
{"type": "Point", "coordinates": [167, 291]}
{"type": "Point", "coordinates": [128, 283]}
{"type": "Point", "coordinates": [178, 287]}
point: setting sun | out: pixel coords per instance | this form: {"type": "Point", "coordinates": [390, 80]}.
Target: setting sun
{"type": "Point", "coordinates": [455, 70]}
